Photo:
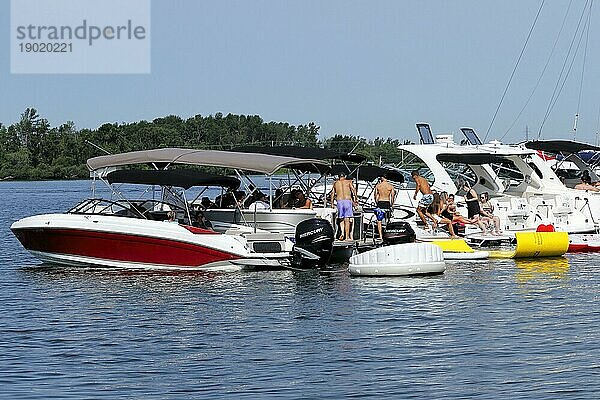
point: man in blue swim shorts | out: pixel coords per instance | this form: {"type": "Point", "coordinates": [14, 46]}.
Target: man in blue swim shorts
{"type": "Point", "coordinates": [426, 198]}
{"type": "Point", "coordinates": [344, 191]}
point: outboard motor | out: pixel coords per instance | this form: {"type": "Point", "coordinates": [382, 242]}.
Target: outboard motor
{"type": "Point", "coordinates": [398, 232]}
{"type": "Point", "coordinates": [314, 244]}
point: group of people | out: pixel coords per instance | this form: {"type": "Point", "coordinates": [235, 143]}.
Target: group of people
{"type": "Point", "coordinates": [440, 208]}
{"type": "Point", "coordinates": [258, 200]}
{"type": "Point", "coordinates": [344, 192]}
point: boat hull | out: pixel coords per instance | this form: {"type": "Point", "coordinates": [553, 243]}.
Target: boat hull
{"type": "Point", "coordinates": [584, 243]}
{"type": "Point", "coordinates": [158, 246]}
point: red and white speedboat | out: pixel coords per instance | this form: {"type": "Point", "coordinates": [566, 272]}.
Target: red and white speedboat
{"type": "Point", "coordinates": [121, 242]}
{"type": "Point", "coordinates": [134, 234]}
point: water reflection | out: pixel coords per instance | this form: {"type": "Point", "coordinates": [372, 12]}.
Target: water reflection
{"type": "Point", "coordinates": [534, 269]}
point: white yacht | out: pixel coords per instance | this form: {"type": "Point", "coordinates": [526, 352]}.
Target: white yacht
{"type": "Point", "coordinates": [525, 191]}
{"type": "Point", "coordinates": [529, 175]}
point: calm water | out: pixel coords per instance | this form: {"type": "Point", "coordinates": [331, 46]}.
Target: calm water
{"type": "Point", "coordinates": [482, 330]}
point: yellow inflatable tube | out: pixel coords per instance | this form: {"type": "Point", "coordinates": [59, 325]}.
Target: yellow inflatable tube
{"type": "Point", "coordinates": [536, 244]}
{"type": "Point", "coordinates": [455, 246]}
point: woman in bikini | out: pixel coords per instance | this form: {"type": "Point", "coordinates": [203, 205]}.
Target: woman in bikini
{"type": "Point", "coordinates": [438, 213]}
{"type": "Point", "coordinates": [487, 211]}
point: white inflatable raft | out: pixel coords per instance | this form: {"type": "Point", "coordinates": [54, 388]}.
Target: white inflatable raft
{"type": "Point", "coordinates": [399, 260]}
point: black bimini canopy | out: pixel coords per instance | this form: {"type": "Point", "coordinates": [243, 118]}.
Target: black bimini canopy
{"type": "Point", "coordinates": [560, 146]}
{"type": "Point", "coordinates": [368, 172]}
{"type": "Point", "coordinates": [178, 178]}
{"type": "Point", "coordinates": [471, 158]}
{"type": "Point", "coordinates": [304, 152]}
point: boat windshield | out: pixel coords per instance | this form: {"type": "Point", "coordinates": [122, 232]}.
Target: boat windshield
{"type": "Point", "coordinates": [509, 174]}
{"type": "Point", "coordinates": [460, 172]}
{"type": "Point", "coordinates": [410, 162]}
{"type": "Point", "coordinates": [150, 209]}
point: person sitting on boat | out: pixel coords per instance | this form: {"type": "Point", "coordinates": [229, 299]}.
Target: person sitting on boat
{"type": "Point", "coordinates": [206, 203]}
{"type": "Point", "coordinates": [239, 196]}
{"type": "Point", "coordinates": [487, 212]}
{"type": "Point", "coordinates": [302, 201]}
{"type": "Point", "coordinates": [344, 192]}
{"type": "Point", "coordinates": [384, 195]}
{"type": "Point", "coordinates": [260, 204]}
{"type": "Point", "coordinates": [586, 184]}
{"type": "Point", "coordinates": [452, 213]}
{"type": "Point", "coordinates": [291, 201]}
{"type": "Point", "coordinates": [458, 218]}
{"type": "Point", "coordinates": [279, 201]}
{"type": "Point", "coordinates": [438, 212]}
{"type": "Point", "coordinates": [171, 217]}
{"type": "Point", "coordinates": [426, 198]}
{"type": "Point", "coordinates": [254, 195]}
{"type": "Point", "coordinates": [473, 207]}
{"type": "Point", "coordinates": [200, 221]}
{"type": "Point", "coordinates": [226, 200]}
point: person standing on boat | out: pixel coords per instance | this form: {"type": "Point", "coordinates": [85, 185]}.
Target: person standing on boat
{"type": "Point", "coordinates": [473, 207]}
{"type": "Point", "coordinates": [426, 198]}
{"type": "Point", "coordinates": [344, 191]}
{"type": "Point", "coordinates": [384, 198]}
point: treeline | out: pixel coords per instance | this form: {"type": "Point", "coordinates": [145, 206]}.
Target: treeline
{"type": "Point", "coordinates": [31, 149]}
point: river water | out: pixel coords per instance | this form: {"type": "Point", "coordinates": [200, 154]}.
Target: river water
{"type": "Point", "coordinates": [526, 329]}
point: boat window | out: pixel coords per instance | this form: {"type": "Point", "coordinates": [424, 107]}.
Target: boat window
{"type": "Point", "coordinates": [508, 172]}
{"type": "Point", "coordinates": [460, 172]}
{"type": "Point", "coordinates": [536, 169]}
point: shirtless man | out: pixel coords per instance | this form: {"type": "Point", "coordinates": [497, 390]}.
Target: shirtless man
{"type": "Point", "coordinates": [426, 199]}
{"type": "Point", "coordinates": [384, 198]}
{"type": "Point", "coordinates": [586, 184]}
{"type": "Point", "coordinates": [344, 191]}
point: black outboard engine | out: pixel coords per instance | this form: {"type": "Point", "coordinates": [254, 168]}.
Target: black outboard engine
{"type": "Point", "coordinates": [398, 232]}
{"type": "Point", "coordinates": [314, 244]}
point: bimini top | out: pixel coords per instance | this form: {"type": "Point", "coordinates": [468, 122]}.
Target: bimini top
{"type": "Point", "coordinates": [171, 177]}
{"type": "Point", "coordinates": [368, 172]}
{"type": "Point", "coordinates": [560, 146]}
{"type": "Point", "coordinates": [304, 152]}
{"type": "Point", "coordinates": [254, 162]}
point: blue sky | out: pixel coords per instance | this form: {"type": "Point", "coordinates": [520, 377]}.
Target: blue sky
{"type": "Point", "coordinates": [368, 68]}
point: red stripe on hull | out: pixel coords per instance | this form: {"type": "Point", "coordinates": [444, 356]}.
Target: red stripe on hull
{"type": "Point", "coordinates": [119, 247]}
{"type": "Point", "coordinates": [583, 248]}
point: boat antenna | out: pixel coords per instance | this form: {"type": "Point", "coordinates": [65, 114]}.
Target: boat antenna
{"type": "Point", "coordinates": [598, 127]}
{"type": "Point", "coordinates": [98, 147]}
{"type": "Point", "coordinates": [585, 48]}
{"type": "Point", "coordinates": [564, 72]}
{"type": "Point", "coordinates": [514, 70]}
